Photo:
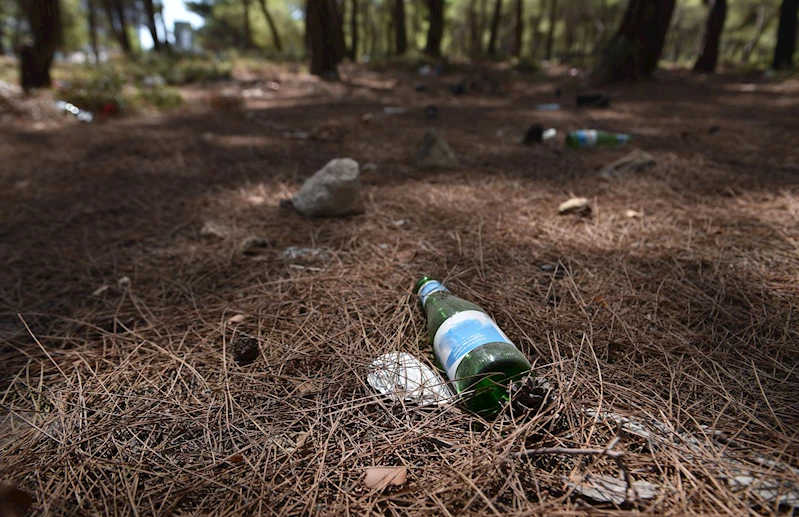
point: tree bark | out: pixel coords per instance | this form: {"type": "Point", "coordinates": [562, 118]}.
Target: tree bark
{"type": "Point", "coordinates": [716, 16]}
{"type": "Point", "coordinates": [320, 22]}
{"type": "Point", "coordinates": [118, 27]}
{"type": "Point", "coordinates": [44, 19]}
{"type": "Point", "coordinates": [354, 30]}
{"type": "Point", "coordinates": [786, 35]}
{"type": "Point", "coordinates": [272, 27]}
{"type": "Point", "coordinates": [124, 38]}
{"type": "Point", "coordinates": [2, 31]}
{"type": "Point", "coordinates": [635, 49]}
{"type": "Point", "coordinates": [401, 42]}
{"type": "Point", "coordinates": [759, 24]}
{"type": "Point", "coordinates": [247, 43]}
{"type": "Point", "coordinates": [475, 36]}
{"type": "Point", "coordinates": [492, 36]}
{"type": "Point", "coordinates": [149, 7]}
{"type": "Point", "coordinates": [553, 13]}
{"type": "Point", "coordinates": [91, 12]}
{"type": "Point", "coordinates": [518, 31]}
{"type": "Point", "coordinates": [436, 29]}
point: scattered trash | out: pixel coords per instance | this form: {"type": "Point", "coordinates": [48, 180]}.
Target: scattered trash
{"type": "Point", "coordinates": [593, 101]}
{"type": "Point", "coordinates": [253, 245]}
{"type": "Point", "coordinates": [714, 129]}
{"type": "Point", "coordinates": [295, 252]}
{"type": "Point", "coordinates": [244, 349]}
{"type": "Point", "coordinates": [477, 356]}
{"type": "Point", "coordinates": [632, 214]}
{"type": "Point", "coordinates": [255, 200]}
{"type": "Point", "coordinates": [400, 222]}
{"type": "Point", "coordinates": [394, 110]}
{"type": "Point", "coordinates": [420, 87]}
{"type": "Point", "coordinates": [252, 92]}
{"type": "Point", "coordinates": [771, 485]}
{"type": "Point", "coordinates": [547, 107]}
{"type": "Point", "coordinates": [212, 229]}
{"type": "Point", "coordinates": [592, 138]}
{"type": "Point", "coordinates": [630, 164]}
{"type": "Point", "coordinates": [431, 111]}
{"type": "Point", "coordinates": [608, 489]}
{"type": "Point", "coordinates": [534, 135]}
{"type": "Point", "coordinates": [15, 502]}
{"type": "Point", "coordinates": [81, 115]}
{"type": "Point", "coordinates": [557, 271]}
{"type": "Point", "coordinates": [123, 281]}
{"type": "Point", "coordinates": [403, 377]}
{"type": "Point", "coordinates": [435, 152]}
{"type": "Point", "coordinates": [458, 89]}
{"type": "Point", "coordinates": [100, 290]}
{"type": "Point", "coordinates": [380, 477]}
{"type": "Point", "coordinates": [576, 205]}
{"type": "Point", "coordinates": [333, 191]}
{"type": "Point", "coordinates": [238, 318]}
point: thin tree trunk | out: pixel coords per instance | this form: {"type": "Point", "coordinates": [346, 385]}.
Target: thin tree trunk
{"type": "Point", "coordinates": [336, 9]}
{"type": "Point", "coordinates": [44, 18]}
{"type": "Point", "coordinates": [91, 11]}
{"type": "Point", "coordinates": [2, 30]}
{"type": "Point", "coordinates": [401, 42]}
{"type": "Point", "coordinates": [635, 49]}
{"type": "Point", "coordinates": [272, 27]}
{"type": "Point", "coordinates": [165, 41]}
{"type": "Point", "coordinates": [474, 32]}
{"type": "Point", "coordinates": [115, 12]}
{"type": "Point", "coordinates": [124, 38]}
{"type": "Point", "coordinates": [247, 43]}
{"type": "Point", "coordinates": [553, 12]}
{"type": "Point", "coordinates": [492, 36]}
{"type": "Point", "coordinates": [786, 35]}
{"type": "Point", "coordinates": [538, 36]}
{"type": "Point", "coordinates": [759, 25]}
{"type": "Point", "coordinates": [518, 31]}
{"type": "Point", "coordinates": [436, 29]}
{"type": "Point", "coordinates": [354, 30]}
{"type": "Point", "coordinates": [716, 16]}
{"type": "Point", "coordinates": [149, 7]}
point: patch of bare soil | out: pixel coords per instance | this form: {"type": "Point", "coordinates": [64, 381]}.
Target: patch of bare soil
{"type": "Point", "coordinates": [126, 292]}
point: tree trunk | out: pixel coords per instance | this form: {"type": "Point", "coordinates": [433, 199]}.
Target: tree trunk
{"type": "Point", "coordinates": [118, 27]}
{"type": "Point", "coordinates": [553, 13]}
{"type": "Point", "coordinates": [354, 30]}
{"type": "Point", "coordinates": [759, 24]}
{"type": "Point", "coordinates": [320, 22]}
{"type": "Point", "coordinates": [492, 36]}
{"type": "Point", "coordinates": [474, 30]}
{"type": "Point", "coordinates": [535, 22]}
{"type": "Point", "coordinates": [401, 41]}
{"type": "Point", "coordinates": [124, 38]}
{"type": "Point", "coordinates": [634, 50]}
{"type": "Point", "coordinates": [436, 29]}
{"type": "Point", "coordinates": [2, 31]}
{"type": "Point", "coordinates": [786, 35]}
{"type": "Point", "coordinates": [716, 16]}
{"type": "Point", "coordinates": [338, 25]}
{"type": "Point", "coordinates": [247, 43]}
{"type": "Point", "coordinates": [44, 19]}
{"type": "Point", "coordinates": [272, 27]}
{"type": "Point", "coordinates": [150, 8]}
{"type": "Point", "coordinates": [518, 31]}
{"type": "Point", "coordinates": [91, 12]}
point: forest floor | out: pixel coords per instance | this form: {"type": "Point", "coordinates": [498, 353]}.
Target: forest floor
{"type": "Point", "coordinates": [124, 285]}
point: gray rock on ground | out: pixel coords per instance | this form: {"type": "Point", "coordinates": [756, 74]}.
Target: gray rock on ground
{"type": "Point", "coordinates": [435, 153]}
{"type": "Point", "coordinates": [630, 164]}
{"type": "Point", "coordinates": [334, 190]}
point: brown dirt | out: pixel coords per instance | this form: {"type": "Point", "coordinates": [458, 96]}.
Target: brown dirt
{"type": "Point", "coordinates": [120, 394]}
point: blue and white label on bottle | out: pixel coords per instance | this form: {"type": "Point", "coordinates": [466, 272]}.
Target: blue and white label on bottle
{"type": "Point", "coordinates": [430, 287]}
{"type": "Point", "coordinates": [587, 137]}
{"type": "Point", "coordinates": [461, 334]}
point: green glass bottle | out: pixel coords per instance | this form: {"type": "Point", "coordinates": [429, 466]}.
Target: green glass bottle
{"type": "Point", "coordinates": [475, 354]}
{"type": "Point", "coordinates": [593, 138]}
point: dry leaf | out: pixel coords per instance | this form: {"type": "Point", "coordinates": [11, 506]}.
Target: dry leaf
{"type": "Point", "coordinates": [236, 458]}
{"type": "Point", "coordinates": [238, 318]}
{"type": "Point", "coordinates": [303, 387]}
{"type": "Point", "coordinates": [380, 477]}
{"type": "Point", "coordinates": [607, 489]}
{"type": "Point", "coordinates": [13, 501]}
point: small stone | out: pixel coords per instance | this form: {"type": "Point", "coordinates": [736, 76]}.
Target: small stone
{"type": "Point", "coordinates": [244, 349]}
{"type": "Point", "coordinates": [575, 205]}
{"type": "Point", "coordinates": [630, 164]}
{"type": "Point", "coordinates": [333, 191]}
{"type": "Point", "coordinates": [254, 245]}
{"type": "Point", "coordinates": [435, 153]}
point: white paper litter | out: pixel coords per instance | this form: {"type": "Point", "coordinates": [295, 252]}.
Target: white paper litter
{"type": "Point", "coordinates": [776, 486]}
{"type": "Point", "coordinates": [607, 489]}
{"type": "Point", "coordinates": [403, 377]}
{"type": "Point", "coordinates": [293, 252]}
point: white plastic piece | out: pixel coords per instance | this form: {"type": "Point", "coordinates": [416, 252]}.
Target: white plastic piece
{"type": "Point", "coordinates": [403, 377]}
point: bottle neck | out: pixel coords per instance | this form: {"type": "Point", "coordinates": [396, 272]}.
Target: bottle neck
{"type": "Point", "coordinates": [428, 288]}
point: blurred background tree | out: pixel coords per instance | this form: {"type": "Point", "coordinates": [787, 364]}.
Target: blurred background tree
{"type": "Point", "coordinates": [620, 39]}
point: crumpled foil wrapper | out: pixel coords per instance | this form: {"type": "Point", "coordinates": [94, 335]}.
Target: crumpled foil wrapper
{"type": "Point", "coordinates": [403, 377]}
